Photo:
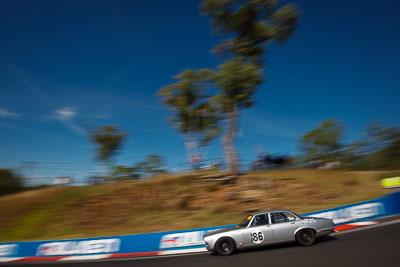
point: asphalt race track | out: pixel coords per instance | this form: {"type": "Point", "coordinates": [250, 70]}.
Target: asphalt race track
{"type": "Point", "coordinates": [377, 246]}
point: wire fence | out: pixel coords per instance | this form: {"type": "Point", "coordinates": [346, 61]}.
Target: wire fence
{"type": "Point", "coordinates": [42, 172]}
{"type": "Point", "coordinates": [30, 173]}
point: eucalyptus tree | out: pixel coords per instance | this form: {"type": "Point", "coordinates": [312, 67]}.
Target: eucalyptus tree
{"type": "Point", "coordinates": [108, 140]}
{"type": "Point", "coordinates": [323, 143]}
{"type": "Point", "coordinates": [249, 26]}
{"type": "Point", "coordinates": [194, 114]}
{"type": "Point", "coordinates": [379, 147]}
{"type": "Point", "coordinates": [153, 164]}
{"type": "Point", "coordinates": [237, 82]}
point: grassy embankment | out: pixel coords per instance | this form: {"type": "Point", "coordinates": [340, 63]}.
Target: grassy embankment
{"type": "Point", "coordinates": [173, 203]}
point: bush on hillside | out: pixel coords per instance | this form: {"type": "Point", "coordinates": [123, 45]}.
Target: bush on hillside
{"type": "Point", "coordinates": [9, 182]}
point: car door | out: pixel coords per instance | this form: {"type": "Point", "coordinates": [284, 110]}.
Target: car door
{"type": "Point", "coordinates": [259, 231]}
{"type": "Point", "coordinates": [283, 225]}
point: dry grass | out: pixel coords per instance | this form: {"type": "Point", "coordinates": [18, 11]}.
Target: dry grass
{"type": "Point", "coordinates": [173, 203]}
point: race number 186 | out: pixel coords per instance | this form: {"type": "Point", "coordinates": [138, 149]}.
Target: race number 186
{"type": "Point", "coordinates": [257, 237]}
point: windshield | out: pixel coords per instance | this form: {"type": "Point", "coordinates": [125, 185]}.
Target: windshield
{"type": "Point", "coordinates": [246, 221]}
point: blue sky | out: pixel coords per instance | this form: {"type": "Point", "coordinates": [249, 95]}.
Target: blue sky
{"type": "Point", "coordinates": [67, 65]}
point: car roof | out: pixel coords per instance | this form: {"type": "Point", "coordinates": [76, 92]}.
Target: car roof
{"type": "Point", "coordinates": [262, 212]}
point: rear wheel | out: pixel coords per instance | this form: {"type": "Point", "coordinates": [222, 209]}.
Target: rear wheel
{"type": "Point", "coordinates": [305, 237]}
{"type": "Point", "coordinates": [225, 246]}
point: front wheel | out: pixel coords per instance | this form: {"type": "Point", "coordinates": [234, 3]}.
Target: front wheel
{"type": "Point", "coordinates": [225, 246]}
{"type": "Point", "coordinates": [305, 237]}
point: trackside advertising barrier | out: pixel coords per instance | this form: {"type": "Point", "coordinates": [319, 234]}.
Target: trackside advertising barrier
{"type": "Point", "coordinates": [367, 210]}
{"type": "Point", "coordinates": [126, 245]}
{"type": "Point", "coordinates": [173, 242]}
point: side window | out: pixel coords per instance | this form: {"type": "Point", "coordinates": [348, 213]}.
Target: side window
{"type": "Point", "coordinates": [261, 219]}
{"type": "Point", "coordinates": [278, 217]}
{"type": "Point", "coordinates": [289, 216]}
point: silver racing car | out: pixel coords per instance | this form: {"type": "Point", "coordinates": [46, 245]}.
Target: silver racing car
{"type": "Point", "coordinates": [269, 227]}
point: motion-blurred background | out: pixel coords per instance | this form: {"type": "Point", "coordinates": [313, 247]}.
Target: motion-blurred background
{"type": "Point", "coordinates": [121, 117]}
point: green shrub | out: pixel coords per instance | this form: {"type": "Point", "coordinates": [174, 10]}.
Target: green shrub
{"type": "Point", "coordinates": [212, 188]}
{"type": "Point", "coordinates": [9, 182]}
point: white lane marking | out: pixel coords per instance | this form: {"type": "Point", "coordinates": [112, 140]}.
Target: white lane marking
{"type": "Point", "coordinates": [86, 257]}
{"type": "Point", "coordinates": [181, 251]}
{"type": "Point", "coordinates": [131, 259]}
{"type": "Point", "coordinates": [7, 259]}
{"type": "Point", "coordinates": [366, 227]}
{"type": "Point", "coordinates": [363, 223]}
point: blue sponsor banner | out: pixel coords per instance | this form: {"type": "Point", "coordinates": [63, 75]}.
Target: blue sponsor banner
{"type": "Point", "coordinates": [188, 239]}
{"type": "Point", "coordinates": [185, 239]}
{"type": "Point", "coordinates": [392, 203]}
{"type": "Point", "coordinates": [108, 245]}
{"type": "Point", "coordinates": [89, 246]}
{"type": "Point", "coordinates": [367, 210]}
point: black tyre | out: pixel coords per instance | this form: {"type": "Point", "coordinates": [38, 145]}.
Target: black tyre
{"type": "Point", "coordinates": [225, 246]}
{"type": "Point", "coordinates": [305, 237]}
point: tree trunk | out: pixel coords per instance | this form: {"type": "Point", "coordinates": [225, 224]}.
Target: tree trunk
{"type": "Point", "coordinates": [191, 147]}
{"type": "Point", "coordinates": [229, 139]}
{"type": "Point", "coordinates": [107, 171]}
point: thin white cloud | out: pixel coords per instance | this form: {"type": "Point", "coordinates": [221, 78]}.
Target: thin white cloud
{"type": "Point", "coordinates": [66, 115]}
{"type": "Point", "coordinates": [110, 100]}
{"type": "Point", "coordinates": [5, 113]}
{"type": "Point", "coordinates": [29, 83]}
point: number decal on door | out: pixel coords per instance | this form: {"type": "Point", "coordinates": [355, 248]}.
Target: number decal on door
{"type": "Point", "coordinates": [257, 237]}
